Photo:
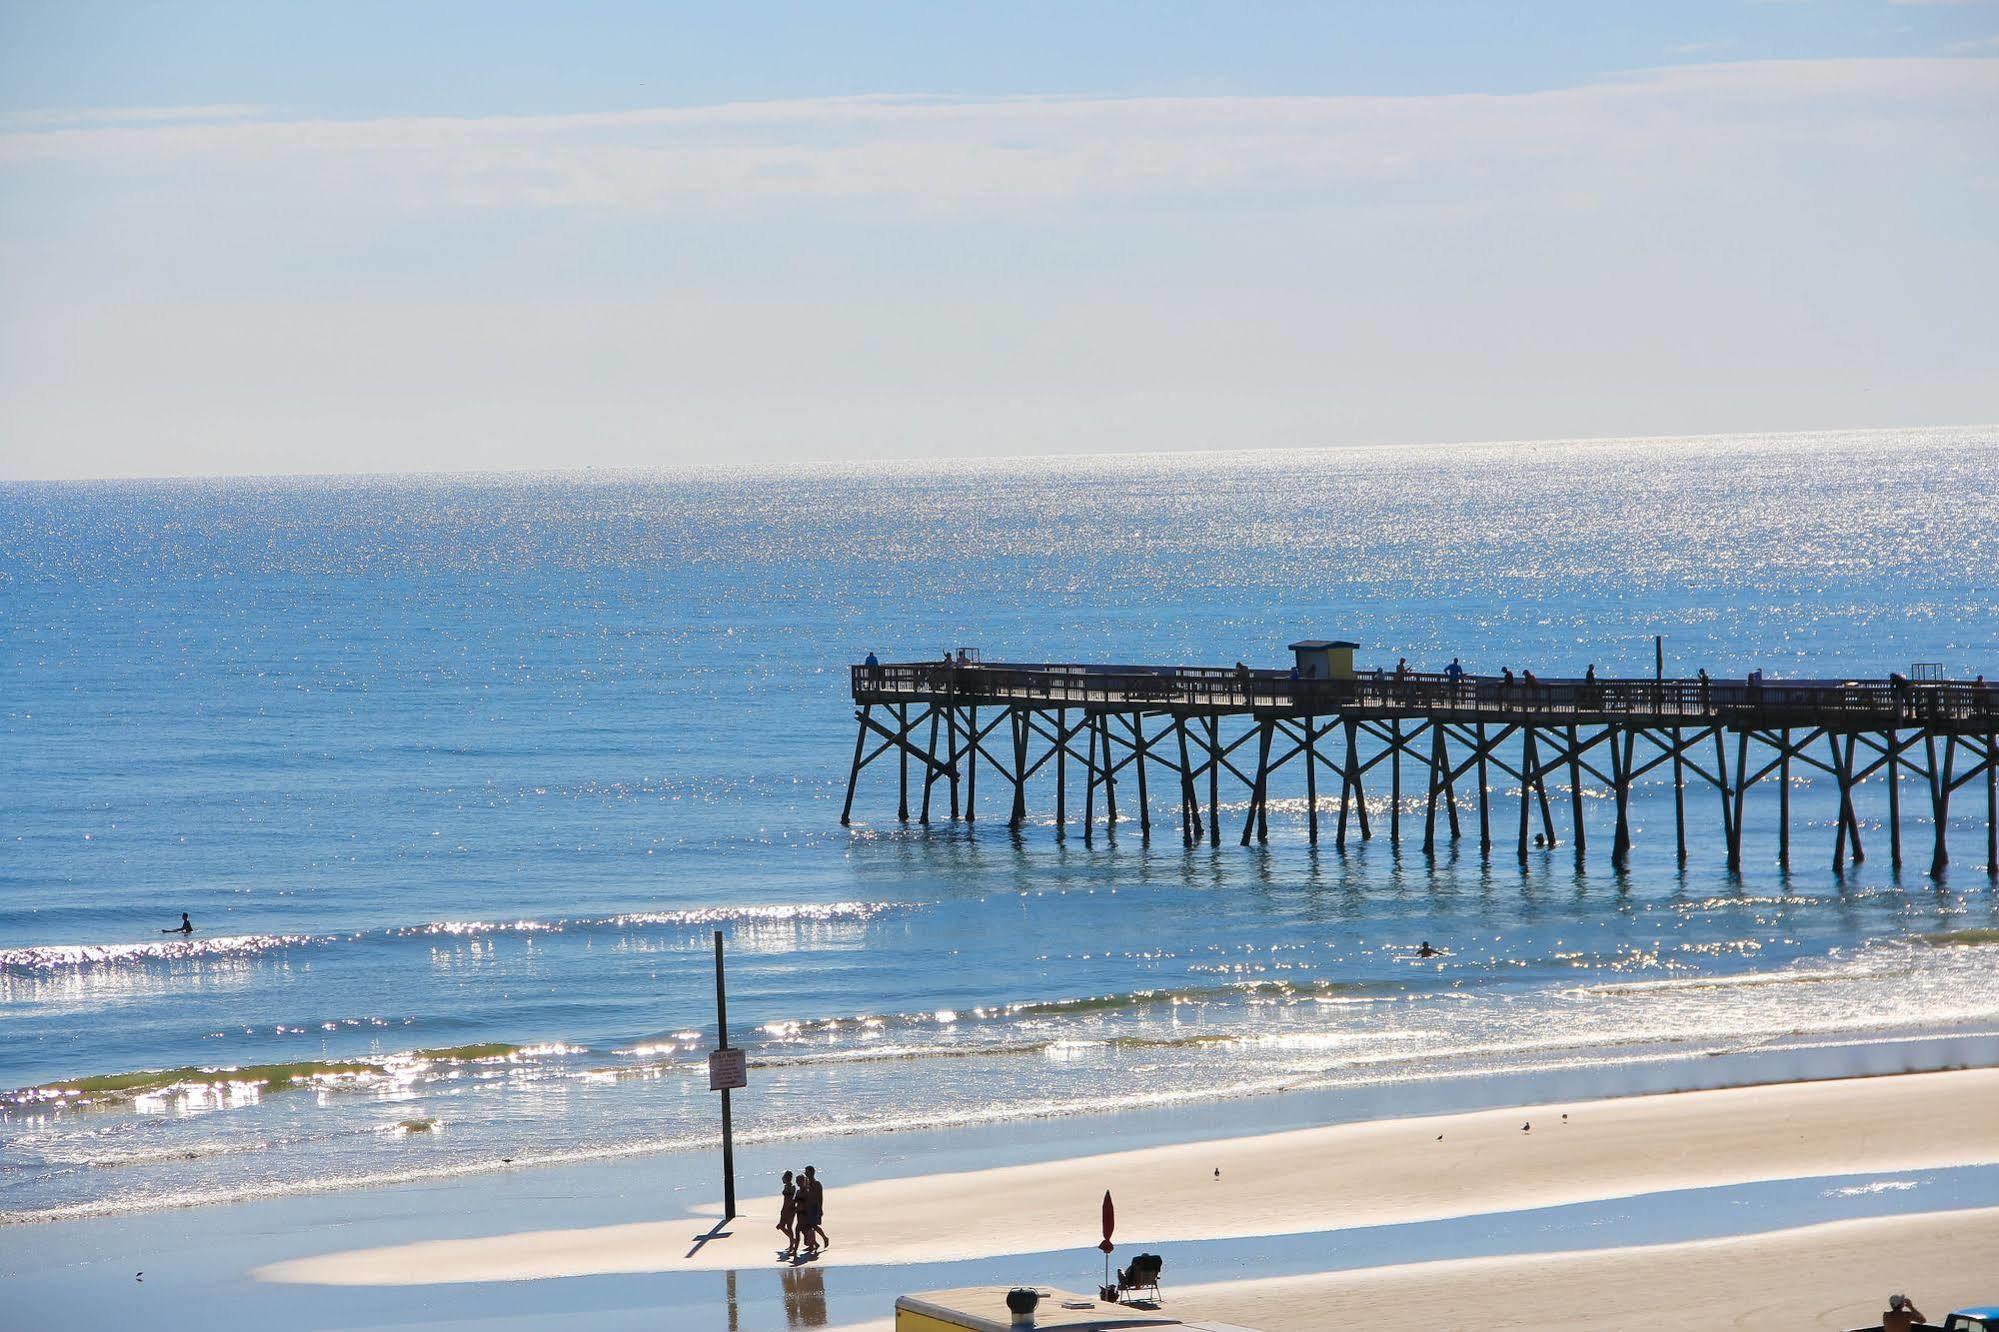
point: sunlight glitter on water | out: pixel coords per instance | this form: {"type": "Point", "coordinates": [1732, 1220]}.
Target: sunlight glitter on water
{"type": "Point", "coordinates": [484, 761]}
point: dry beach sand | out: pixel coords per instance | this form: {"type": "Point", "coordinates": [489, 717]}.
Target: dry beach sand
{"type": "Point", "coordinates": [1819, 1278]}
{"type": "Point", "coordinates": [1830, 1276]}
{"type": "Point", "coordinates": [1354, 1175]}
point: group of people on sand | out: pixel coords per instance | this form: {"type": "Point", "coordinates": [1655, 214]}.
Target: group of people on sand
{"type": "Point", "coordinates": [803, 1211]}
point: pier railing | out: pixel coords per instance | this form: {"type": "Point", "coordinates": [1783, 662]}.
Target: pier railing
{"type": "Point", "coordinates": [1865, 703]}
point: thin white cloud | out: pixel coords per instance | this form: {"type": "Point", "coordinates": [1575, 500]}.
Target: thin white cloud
{"type": "Point", "coordinates": [1714, 246]}
{"type": "Point", "coordinates": [126, 115]}
{"type": "Point", "coordinates": [999, 154]}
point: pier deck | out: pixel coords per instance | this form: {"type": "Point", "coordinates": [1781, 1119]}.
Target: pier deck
{"type": "Point", "coordinates": [1124, 727]}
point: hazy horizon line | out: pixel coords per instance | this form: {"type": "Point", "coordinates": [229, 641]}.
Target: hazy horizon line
{"type": "Point", "coordinates": [946, 460]}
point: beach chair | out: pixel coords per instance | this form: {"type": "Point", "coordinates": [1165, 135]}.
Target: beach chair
{"type": "Point", "coordinates": [1143, 1274]}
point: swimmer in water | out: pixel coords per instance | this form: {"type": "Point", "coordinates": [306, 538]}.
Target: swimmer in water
{"type": "Point", "coordinates": [186, 926]}
{"type": "Point", "coordinates": [1427, 951]}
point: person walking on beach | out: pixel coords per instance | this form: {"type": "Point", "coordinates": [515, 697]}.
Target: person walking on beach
{"type": "Point", "coordinates": [185, 927]}
{"type": "Point", "coordinates": [811, 1212]}
{"type": "Point", "coordinates": [787, 1217]}
{"type": "Point", "coordinates": [804, 1216]}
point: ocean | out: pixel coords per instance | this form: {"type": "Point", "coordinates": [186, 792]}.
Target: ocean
{"type": "Point", "coordinates": [456, 776]}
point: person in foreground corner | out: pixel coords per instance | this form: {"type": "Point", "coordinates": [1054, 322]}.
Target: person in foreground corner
{"type": "Point", "coordinates": [1902, 1315]}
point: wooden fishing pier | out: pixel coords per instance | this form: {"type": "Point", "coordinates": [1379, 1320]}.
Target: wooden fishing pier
{"type": "Point", "coordinates": [1181, 737]}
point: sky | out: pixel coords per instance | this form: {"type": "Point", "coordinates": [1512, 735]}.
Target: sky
{"type": "Point", "coordinates": [269, 237]}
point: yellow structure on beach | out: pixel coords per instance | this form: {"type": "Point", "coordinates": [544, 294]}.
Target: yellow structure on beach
{"type": "Point", "coordinates": [983, 1309]}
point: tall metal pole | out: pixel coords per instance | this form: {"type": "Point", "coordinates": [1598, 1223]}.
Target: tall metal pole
{"type": "Point", "coordinates": [728, 1132]}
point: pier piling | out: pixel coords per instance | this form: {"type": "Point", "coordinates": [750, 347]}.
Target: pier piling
{"type": "Point", "coordinates": [1207, 722]}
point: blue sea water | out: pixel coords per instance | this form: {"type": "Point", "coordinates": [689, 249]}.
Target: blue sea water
{"type": "Point", "coordinates": [456, 776]}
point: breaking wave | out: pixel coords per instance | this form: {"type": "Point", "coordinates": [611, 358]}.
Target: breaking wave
{"type": "Point", "coordinates": [1131, 1001]}
{"type": "Point", "coordinates": [57, 957]}
{"type": "Point", "coordinates": [105, 1088]}
{"type": "Point", "coordinates": [65, 957]}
